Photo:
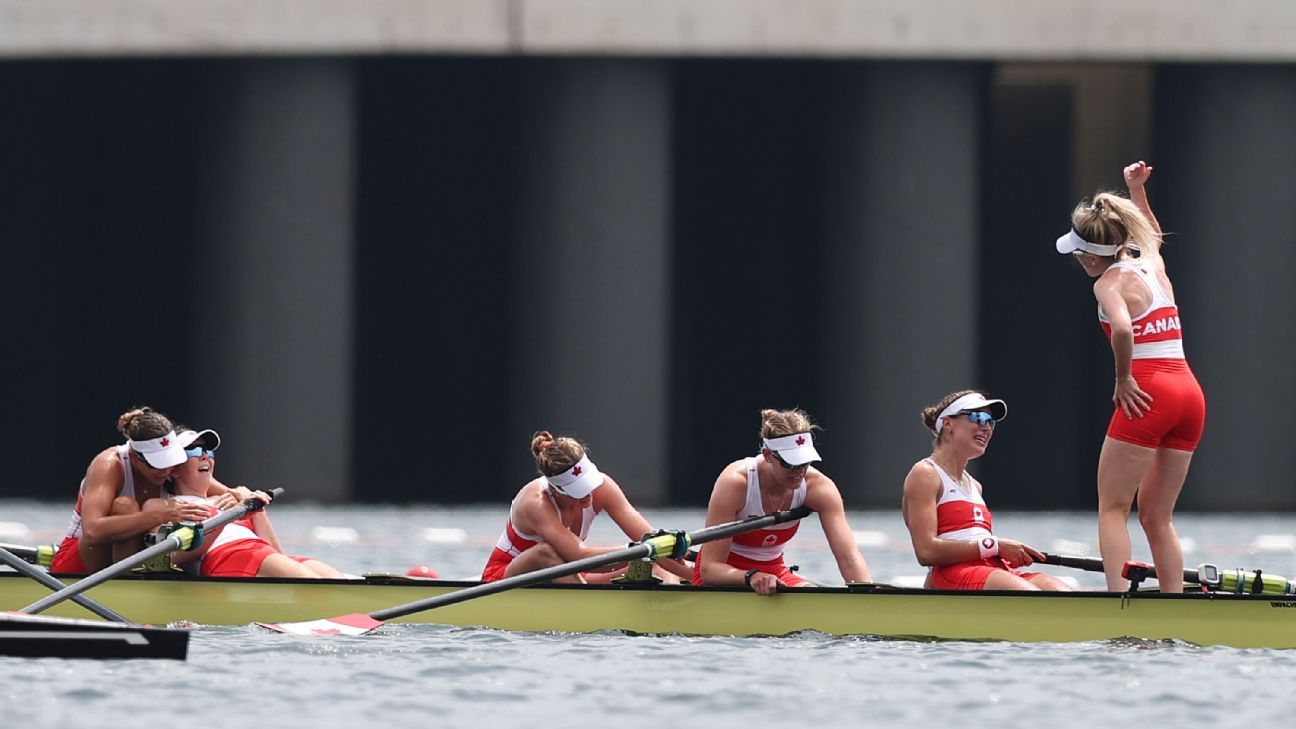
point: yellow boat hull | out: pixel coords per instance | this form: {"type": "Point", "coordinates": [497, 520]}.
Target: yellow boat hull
{"type": "Point", "coordinates": [1243, 621]}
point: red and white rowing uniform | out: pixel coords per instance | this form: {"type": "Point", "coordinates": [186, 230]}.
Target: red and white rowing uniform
{"type": "Point", "coordinates": [68, 560]}
{"type": "Point", "coordinates": [236, 551]}
{"type": "Point", "coordinates": [761, 549]}
{"type": "Point", "coordinates": [513, 542]}
{"type": "Point", "coordinates": [962, 516]}
{"type": "Point", "coordinates": [1178, 412]}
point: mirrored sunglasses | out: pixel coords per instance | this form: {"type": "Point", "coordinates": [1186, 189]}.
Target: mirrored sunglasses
{"type": "Point", "coordinates": [979, 417]}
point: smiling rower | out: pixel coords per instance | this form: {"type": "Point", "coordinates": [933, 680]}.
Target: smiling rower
{"type": "Point", "coordinates": [949, 522]}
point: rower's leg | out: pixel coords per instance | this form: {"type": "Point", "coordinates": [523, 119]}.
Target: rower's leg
{"type": "Point", "coordinates": [1048, 582]}
{"type": "Point", "coordinates": [126, 506]}
{"type": "Point", "coordinates": [1005, 580]}
{"type": "Point", "coordinates": [323, 569]}
{"type": "Point", "coordinates": [537, 558]}
{"type": "Point", "coordinates": [279, 565]}
{"type": "Point", "coordinates": [1121, 467]}
{"type": "Point", "coordinates": [1156, 502]}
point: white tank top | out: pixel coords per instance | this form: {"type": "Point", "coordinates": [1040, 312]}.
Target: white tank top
{"type": "Point", "coordinates": [961, 514]}
{"type": "Point", "coordinates": [128, 489]}
{"type": "Point", "coordinates": [1158, 333]}
{"type": "Point", "coordinates": [768, 542]}
{"type": "Point", "coordinates": [514, 541]}
{"type": "Point", "coordinates": [235, 531]}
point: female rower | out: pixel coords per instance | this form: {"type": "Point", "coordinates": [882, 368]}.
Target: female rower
{"type": "Point", "coordinates": [949, 522]}
{"type": "Point", "coordinates": [108, 524]}
{"type": "Point", "coordinates": [247, 547]}
{"type": "Point", "coordinates": [550, 517]}
{"type": "Point", "coordinates": [1160, 409]}
{"type": "Point", "coordinates": [781, 477]}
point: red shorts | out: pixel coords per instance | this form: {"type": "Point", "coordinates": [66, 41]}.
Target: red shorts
{"type": "Point", "coordinates": [239, 559]}
{"type": "Point", "coordinates": [970, 575]}
{"type": "Point", "coordinates": [499, 561]}
{"type": "Point", "coordinates": [774, 567]}
{"type": "Point", "coordinates": [1178, 412]}
{"type": "Point", "coordinates": [67, 561]}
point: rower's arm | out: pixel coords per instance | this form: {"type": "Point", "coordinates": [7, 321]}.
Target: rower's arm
{"type": "Point", "coordinates": [103, 482]}
{"type": "Point", "coordinates": [922, 489]}
{"type": "Point", "coordinates": [825, 499]}
{"type": "Point", "coordinates": [610, 498]}
{"type": "Point", "coordinates": [727, 499]}
{"type": "Point", "coordinates": [1136, 177]}
{"type": "Point", "coordinates": [543, 520]}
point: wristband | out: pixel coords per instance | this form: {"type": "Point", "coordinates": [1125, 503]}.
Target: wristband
{"type": "Point", "coordinates": [989, 547]}
{"type": "Point", "coordinates": [750, 574]}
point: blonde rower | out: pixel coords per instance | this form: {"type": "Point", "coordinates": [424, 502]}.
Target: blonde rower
{"type": "Point", "coordinates": [780, 477]}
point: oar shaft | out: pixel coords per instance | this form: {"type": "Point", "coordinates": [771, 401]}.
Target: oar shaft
{"type": "Point", "coordinates": [635, 551]}
{"type": "Point", "coordinates": [170, 544]}
{"type": "Point", "coordinates": [45, 579]}
{"type": "Point", "coordinates": [1094, 564]}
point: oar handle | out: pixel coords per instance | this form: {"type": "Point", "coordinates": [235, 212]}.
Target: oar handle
{"type": "Point", "coordinates": [639, 550]}
{"type": "Point", "coordinates": [173, 542]}
{"type": "Point", "coordinates": [45, 579]}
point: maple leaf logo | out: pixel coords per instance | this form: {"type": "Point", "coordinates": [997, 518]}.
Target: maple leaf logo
{"type": "Point", "coordinates": [576, 471]}
{"type": "Point", "coordinates": [800, 440]}
{"type": "Point", "coordinates": [166, 442]}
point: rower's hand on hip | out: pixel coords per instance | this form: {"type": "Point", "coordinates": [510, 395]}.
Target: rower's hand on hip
{"type": "Point", "coordinates": [1131, 398]}
{"type": "Point", "coordinates": [1017, 554]}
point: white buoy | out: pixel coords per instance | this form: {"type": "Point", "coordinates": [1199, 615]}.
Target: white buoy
{"type": "Point", "coordinates": [1067, 546]}
{"type": "Point", "coordinates": [1187, 545]}
{"type": "Point", "coordinates": [1274, 543]}
{"type": "Point", "coordinates": [443, 535]}
{"type": "Point", "coordinates": [14, 531]}
{"type": "Point", "coordinates": [915, 581]}
{"type": "Point", "coordinates": [334, 535]}
{"type": "Point", "coordinates": [871, 539]}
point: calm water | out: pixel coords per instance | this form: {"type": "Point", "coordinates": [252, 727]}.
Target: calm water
{"type": "Point", "coordinates": [429, 676]}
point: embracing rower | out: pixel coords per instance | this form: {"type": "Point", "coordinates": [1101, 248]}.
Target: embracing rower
{"type": "Point", "coordinates": [108, 523]}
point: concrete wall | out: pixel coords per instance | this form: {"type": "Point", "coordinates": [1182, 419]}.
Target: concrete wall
{"type": "Point", "coordinates": [1059, 30]}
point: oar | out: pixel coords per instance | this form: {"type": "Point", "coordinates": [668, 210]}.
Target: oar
{"type": "Point", "coordinates": [655, 548]}
{"type": "Point", "coordinates": [45, 579]}
{"type": "Point", "coordinates": [1238, 581]}
{"type": "Point", "coordinates": [182, 538]}
{"type": "Point", "coordinates": [42, 555]}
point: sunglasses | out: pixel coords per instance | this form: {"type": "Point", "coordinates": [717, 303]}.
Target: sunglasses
{"type": "Point", "coordinates": [200, 452]}
{"type": "Point", "coordinates": [979, 417]}
{"type": "Point", "coordinates": [789, 466]}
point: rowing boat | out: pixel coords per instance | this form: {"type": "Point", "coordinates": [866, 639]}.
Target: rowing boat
{"type": "Point", "coordinates": [1243, 621]}
{"type": "Point", "coordinates": [34, 636]}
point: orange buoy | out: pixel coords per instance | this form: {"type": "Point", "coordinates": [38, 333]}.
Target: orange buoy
{"type": "Point", "coordinates": [421, 570]}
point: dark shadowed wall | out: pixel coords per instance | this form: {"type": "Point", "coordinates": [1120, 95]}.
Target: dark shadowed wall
{"type": "Point", "coordinates": [376, 277]}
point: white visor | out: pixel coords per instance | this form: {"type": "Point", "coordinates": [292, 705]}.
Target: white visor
{"type": "Point", "coordinates": [795, 450]}
{"type": "Point", "coordinates": [162, 452]}
{"type": "Point", "coordinates": [578, 481]}
{"type": "Point", "coordinates": [208, 439]}
{"type": "Point", "coordinates": [972, 401]}
{"type": "Point", "coordinates": [1072, 242]}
